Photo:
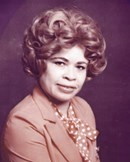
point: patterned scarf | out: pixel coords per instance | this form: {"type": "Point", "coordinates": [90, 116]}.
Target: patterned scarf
{"type": "Point", "coordinates": [79, 131]}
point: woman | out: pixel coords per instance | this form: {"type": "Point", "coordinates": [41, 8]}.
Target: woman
{"type": "Point", "coordinates": [62, 49]}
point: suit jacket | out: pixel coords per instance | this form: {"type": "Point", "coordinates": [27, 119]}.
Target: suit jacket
{"type": "Point", "coordinates": [34, 134]}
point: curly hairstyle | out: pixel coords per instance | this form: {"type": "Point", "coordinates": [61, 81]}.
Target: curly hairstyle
{"type": "Point", "coordinates": [56, 29]}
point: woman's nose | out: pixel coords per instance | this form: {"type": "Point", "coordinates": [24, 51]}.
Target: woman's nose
{"type": "Point", "coordinates": [70, 74]}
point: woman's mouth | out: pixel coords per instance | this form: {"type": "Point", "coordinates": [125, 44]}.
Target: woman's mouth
{"type": "Point", "coordinates": [66, 88]}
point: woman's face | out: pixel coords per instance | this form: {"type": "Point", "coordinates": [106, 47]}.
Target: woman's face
{"type": "Point", "coordinates": [65, 74]}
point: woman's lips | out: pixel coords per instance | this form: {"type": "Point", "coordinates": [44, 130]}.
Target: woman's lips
{"type": "Point", "coordinates": [66, 88]}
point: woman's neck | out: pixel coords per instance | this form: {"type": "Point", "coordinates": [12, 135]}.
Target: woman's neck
{"type": "Point", "coordinates": [62, 106]}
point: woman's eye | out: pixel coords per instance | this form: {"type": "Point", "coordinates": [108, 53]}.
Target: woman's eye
{"type": "Point", "coordinates": [81, 67]}
{"type": "Point", "coordinates": [59, 63]}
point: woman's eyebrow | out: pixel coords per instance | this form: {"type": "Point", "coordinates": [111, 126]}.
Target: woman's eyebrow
{"type": "Point", "coordinates": [66, 60]}
{"type": "Point", "coordinates": [61, 58]}
{"type": "Point", "coordinates": [82, 62]}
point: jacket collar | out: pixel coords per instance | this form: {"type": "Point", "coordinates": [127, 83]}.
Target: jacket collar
{"type": "Point", "coordinates": [55, 128]}
{"type": "Point", "coordinates": [43, 104]}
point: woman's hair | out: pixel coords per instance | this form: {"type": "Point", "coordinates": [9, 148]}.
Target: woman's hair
{"type": "Point", "coordinates": [56, 29]}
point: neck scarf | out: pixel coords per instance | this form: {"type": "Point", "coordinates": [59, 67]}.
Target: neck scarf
{"type": "Point", "coordinates": [79, 131]}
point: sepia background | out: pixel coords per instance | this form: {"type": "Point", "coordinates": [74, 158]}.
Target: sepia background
{"type": "Point", "coordinates": [108, 94]}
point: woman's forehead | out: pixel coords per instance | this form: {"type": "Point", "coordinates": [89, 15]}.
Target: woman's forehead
{"type": "Point", "coordinates": [75, 53]}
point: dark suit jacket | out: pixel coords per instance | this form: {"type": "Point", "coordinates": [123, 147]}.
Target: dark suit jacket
{"type": "Point", "coordinates": [34, 134]}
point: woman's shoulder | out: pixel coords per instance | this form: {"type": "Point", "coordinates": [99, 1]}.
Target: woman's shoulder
{"type": "Point", "coordinates": [83, 103]}
{"type": "Point", "coordinates": [24, 106]}
{"type": "Point", "coordinates": [81, 100]}
{"type": "Point", "coordinates": [25, 112]}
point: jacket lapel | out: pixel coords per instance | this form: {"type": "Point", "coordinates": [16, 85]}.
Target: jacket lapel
{"type": "Point", "coordinates": [63, 142]}
{"type": "Point", "coordinates": [55, 128]}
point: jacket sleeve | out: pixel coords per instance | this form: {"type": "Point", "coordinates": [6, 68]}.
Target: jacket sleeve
{"type": "Point", "coordinates": [23, 142]}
